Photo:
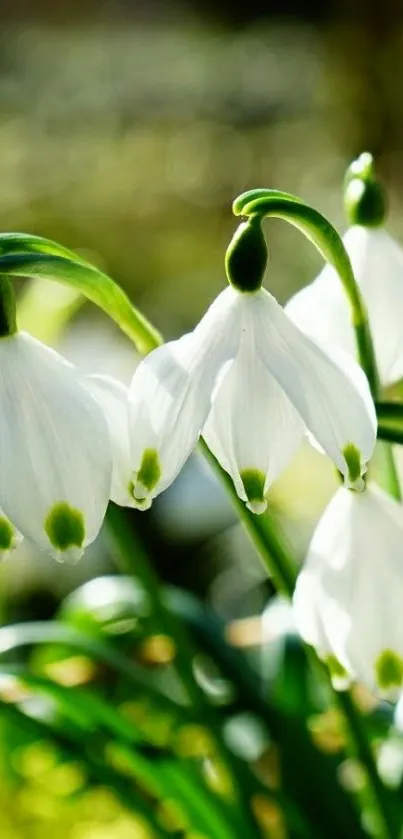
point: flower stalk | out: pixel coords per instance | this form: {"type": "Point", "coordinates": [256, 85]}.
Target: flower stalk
{"type": "Point", "coordinates": [319, 231]}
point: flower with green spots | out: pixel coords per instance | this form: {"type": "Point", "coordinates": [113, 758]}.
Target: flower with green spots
{"type": "Point", "coordinates": [55, 450]}
{"type": "Point", "coordinates": [321, 309]}
{"type": "Point", "coordinates": [348, 598]}
{"type": "Point", "coordinates": [252, 384]}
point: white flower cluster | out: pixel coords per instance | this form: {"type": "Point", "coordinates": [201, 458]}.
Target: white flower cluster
{"type": "Point", "coordinates": [253, 380]}
{"type": "Point", "coordinates": [247, 378]}
{"type": "Point", "coordinates": [347, 599]}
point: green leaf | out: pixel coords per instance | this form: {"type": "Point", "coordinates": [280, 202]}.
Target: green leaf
{"type": "Point", "coordinates": [158, 769]}
{"type": "Point", "coordinates": [390, 421]}
{"type": "Point", "coordinates": [53, 632]}
{"type": "Point", "coordinates": [30, 256]}
{"type": "Point", "coordinates": [73, 747]}
{"type": "Point", "coordinates": [309, 776]}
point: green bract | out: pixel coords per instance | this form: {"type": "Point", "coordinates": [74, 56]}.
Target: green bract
{"type": "Point", "coordinates": [364, 196]}
{"type": "Point", "coordinates": [246, 257]}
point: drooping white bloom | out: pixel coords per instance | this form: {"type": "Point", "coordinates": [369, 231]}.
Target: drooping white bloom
{"type": "Point", "coordinates": [349, 594]}
{"type": "Point", "coordinates": [321, 309]}
{"type": "Point", "coordinates": [55, 460]}
{"type": "Point", "coordinates": [252, 383]}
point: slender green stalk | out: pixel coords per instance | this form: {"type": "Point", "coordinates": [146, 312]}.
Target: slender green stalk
{"type": "Point", "coordinates": [387, 823]}
{"type": "Point", "coordinates": [136, 562]}
{"type": "Point", "coordinates": [262, 532]}
{"type": "Point", "coordinates": [319, 231]}
{"type": "Point", "coordinates": [271, 203]}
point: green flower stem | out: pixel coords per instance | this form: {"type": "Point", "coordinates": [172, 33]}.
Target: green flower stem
{"type": "Point", "coordinates": [262, 532]}
{"type": "Point", "coordinates": [134, 561]}
{"type": "Point", "coordinates": [388, 827]}
{"type": "Point", "coordinates": [319, 231]}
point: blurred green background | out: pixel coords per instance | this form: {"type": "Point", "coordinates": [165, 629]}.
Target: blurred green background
{"type": "Point", "coordinates": [126, 129]}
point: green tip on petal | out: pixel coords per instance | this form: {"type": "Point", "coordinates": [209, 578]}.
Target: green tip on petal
{"type": "Point", "coordinates": [146, 479]}
{"type": "Point", "coordinates": [7, 533]}
{"type": "Point", "coordinates": [246, 256]}
{"type": "Point", "coordinates": [253, 483]}
{"type": "Point", "coordinates": [64, 526]}
{"type": "Point", "coordinates": [389, 670]}
{"type": "Point", "coordinates": [150, 469]}
{"type": "Point", "coordinates": [364, 197]}
{"type": "Point", "coordinates": [354, 479]}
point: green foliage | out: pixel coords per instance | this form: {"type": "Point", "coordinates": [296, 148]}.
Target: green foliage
{"type": "Point", "coordinates": [122, 718]}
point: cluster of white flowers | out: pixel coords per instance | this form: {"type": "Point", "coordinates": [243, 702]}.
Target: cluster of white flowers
{"type": "Point", "coordinates": [253, 380]}
{"type": "Point", "coordinates": [246, 378]}
{"type": "Point", "coordinates": [347, 599]}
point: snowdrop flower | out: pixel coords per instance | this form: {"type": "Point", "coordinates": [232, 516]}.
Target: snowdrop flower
{"type": "Point", "coordinates": [348, 598]}
{"type": "Point", "coordinates": [55, 458]}
{"type": "Point", "coordinates": [321, 309]}
{"type": "Point", "coordinates": [252, 383]}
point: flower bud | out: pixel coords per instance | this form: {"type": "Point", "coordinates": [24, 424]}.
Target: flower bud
{"type": "Point", "coordinates": [246, 257]}
{"type": "Point", "coordinates": [364, 197]}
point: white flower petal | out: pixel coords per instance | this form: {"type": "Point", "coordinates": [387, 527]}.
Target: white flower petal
{"type": "Point", "coordinates": [322, 312]}
{"type": "Point", "coordinates": [327, 388]}
{"type": "Point", "coordinates": [252, 429]}
{"type": "Point", "coordinates": [55, 462]}
{"type": "Point", "coordinates": [112, 395]}
{"type": "Point", "coordinates": [170, 397]}
{"type": "Point", "coordinates": [350, 589]}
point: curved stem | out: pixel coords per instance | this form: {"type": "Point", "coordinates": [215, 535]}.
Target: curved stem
{"type": "Point", "coordinates": [319, 231]}
{"type": "Point", "coordinates": [92, 283]}
{"type": "Point", "coordinates": [322, 234]}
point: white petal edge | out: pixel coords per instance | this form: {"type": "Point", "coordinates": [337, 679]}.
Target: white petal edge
{"type": "Point", "coordinates": [112, 396]}
{"type": "Point", "coordinates": [350, 588]}
{"type": "Point", "coordinates": [170, 395]}
{"type": "Point", "coordinates": [321, 309]}
{"type": "Point", "coordinates": [252, 429]}
{"type": "Point", "coordinates": [327, 388]}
